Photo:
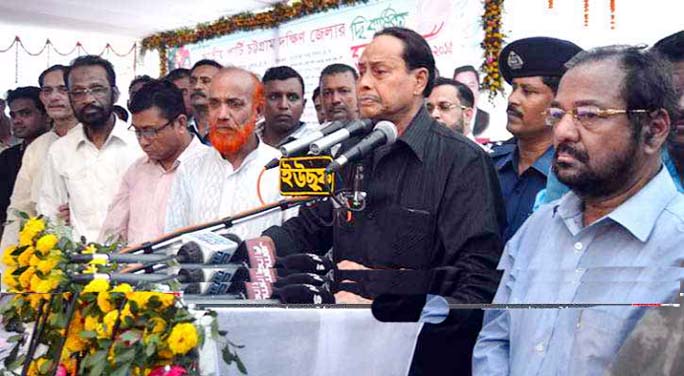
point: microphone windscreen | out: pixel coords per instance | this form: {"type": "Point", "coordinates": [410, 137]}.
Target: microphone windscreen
{"type": "Point", "coordinates": [190, 252]}
{"type": "Point", "coordinates": [304, 294]}
{"type": "Point", "coordinates": [301, 278]}
{"type": "Point", "coordinates": [307, 263]}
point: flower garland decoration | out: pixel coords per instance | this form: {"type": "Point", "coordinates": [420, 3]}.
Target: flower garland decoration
{"type": "Point", "coordinates": [612, 14]}
{"type": "Point", "coordinates": [245, 21]}
{"type": "Point", "coordinates": [96, 329]}
{"type": "Point", "coordinates": [586, 13]}
{"type": "Point", "coordinates": [492, 44]}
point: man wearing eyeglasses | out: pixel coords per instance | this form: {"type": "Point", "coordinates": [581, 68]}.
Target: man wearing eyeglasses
{"type": "Point", "coordinates": [533, 66]}
{"type": "Point", "coordinates": [138, 211]}
{"type": "Point", "coordinates": [615, 238]}
{"type": "Point", "coordinates": [84, 168]}
{"type": "Point", "coordinates": [55, 99]}
{"type": "Point", "coordinates": [451, 103]}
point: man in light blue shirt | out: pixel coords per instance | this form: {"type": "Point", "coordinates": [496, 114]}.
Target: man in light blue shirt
{"type": "Point", "coordinates": [614, 238]}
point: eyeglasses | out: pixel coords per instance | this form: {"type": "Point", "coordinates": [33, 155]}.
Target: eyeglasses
{"type": "Point", "coordinates": [150, 132]}
{"type": "Point", "coordinates": [47, 90]}
{"type": "Point", "coordinates": [444, 106]}
{"type": "Point", "coordinates": [585, 115]}
{"type": "Point", "coordinates": [96, 91]}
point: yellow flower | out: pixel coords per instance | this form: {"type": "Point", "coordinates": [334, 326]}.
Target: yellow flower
{"type": "Point", "coordinates": [35, 299]}
{"type": "Point", "coordinates": [25, 257]}
{"type": "Point", "coordinates": [165, 354]}
{"type": "Point", "coordinates": [105, 329]}
{"type": "Point", "coordinates": [166, 299]}
{"type": "Point", "coordinates": [25, 238]}
{"type": "Point", "coordinates": [7, 257]}
{"type": "Point", "coordinates": [140, 298]}
{"type": "Point", "coordinates": [47, 265]}
{"type": "Point", "coordinates": [33, 226]}
{"type": "Point", "coordinates": [25, 278]}
{"type": "Point", "coordinates": [183, 338]}
{"type": "Point", "coordinates": [89, 250]}
{"type": "Point", "coordinates": [103, 302]}
{"type": "Point", "coordinates": [91, 323]}
{"type": "Point", "coordinates": [74, 343]}
{"type": "Point", "coordinates": [9, 279]}
{"type": "Point", "coordinates": [159, 325]}
{"type": "Point", "coordinates": [122, 287]}
{"type": "Point", "coordinates": [97, 285]}
{"type": "Point", "coordinates": [34, 260]}
{"type": "Point", "coordinates": [46, 243]}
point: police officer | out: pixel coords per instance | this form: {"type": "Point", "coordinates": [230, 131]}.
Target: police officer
{"type": "Point", "coordinates": [533, 66]}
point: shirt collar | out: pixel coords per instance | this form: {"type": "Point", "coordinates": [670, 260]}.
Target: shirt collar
{"type": "Point", "coordinates": [672, 169]}
{"type": "Point", "coordinates": [416, 134]}
{"type": "Point", "coordinates": [119, 132]}
{"type": "Point", "coordinates": [637, 215]}
{"type": "Point", "coordinates": [193, 148]}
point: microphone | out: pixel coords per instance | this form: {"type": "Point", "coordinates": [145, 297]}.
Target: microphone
{"type": "Point", "coordinates": [124, 258]}
{"type": "Point", "coordinates": [189, 273]}
{"type": "Point", "coordinates": [304, 294]}
{"type": "Point", "coordinates": [224, 290]}
{"type": "Point", "coordinates": [302, 144]}
{"type": "Point", "coordinates": [384, 133]}
{"type": "Point", "coordinates": [305, 263]}
{"type": "Point", "coordinates": [122, 278]}
{"type": "Point", "coordinates": [209, 248]}
{"type": "Point", "coordinates": [353, 128]}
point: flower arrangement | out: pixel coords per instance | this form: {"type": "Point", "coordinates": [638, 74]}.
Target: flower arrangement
{"type": "Point", "coordinates": [492, 44]}
{"type": "Point", "coordinates": [94, 329]}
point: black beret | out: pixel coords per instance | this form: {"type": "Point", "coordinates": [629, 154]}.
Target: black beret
{"type": "Point", "coordinates": [672, 46]}
{"type": "Point", "coordinates": [537, 56]}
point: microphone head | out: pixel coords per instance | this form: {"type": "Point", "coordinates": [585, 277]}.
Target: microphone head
{"type": "Point", "coordinates": [305, 294]}
{"type": "Point", "coordinates": [307, 263]}
{"type": "Point", "coordinates": [190, 252]}
{"type": "Point", "coordinates": [388, 129]}
{"type": "Point", "coordinates": [301, 278]}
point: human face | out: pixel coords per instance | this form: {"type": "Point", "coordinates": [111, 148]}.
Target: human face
{"type": "Point", "coordinates": [600, 158]}
{"type": "Point", "coordinates": [200, 79]}
{"type": "Point", "coordinates": [469, 79]}
{"type": "Point", "coordinates": [165, 140]}
{"type": "Point", "coordinates": [284, 105]}
{"type": "Point", "coordinates": [445, 107]}
{"type": "Point", "coordinates": [526, 106]}
{"type": "Point", "coordinates": [387, 89]}
{"type": "Point", "coordinates": [55, 96]}
{"type": "Point", "coordinates": [339, 96]}
{"type": "Point", "coordinates": [677, 137]}
{"type": "Point", "coordinates": [91, 96]}
{"type": "Point", "coordinates": [184, 85]}
{"type": "Point", "coordinates": [28, 122]}
{"type": "Point", "coordinates": [232, 111]}
{"type": "Point", "coordinates": [320, 112]}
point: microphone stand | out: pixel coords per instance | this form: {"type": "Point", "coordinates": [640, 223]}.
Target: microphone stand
{"type": "Point", "coordinates": [226, 222]}
{"type": "Point", "coordinates": [41, 318]}
{"type": "Point", "coordinates": [71, 309]}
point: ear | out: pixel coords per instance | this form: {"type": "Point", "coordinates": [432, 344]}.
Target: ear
{"type": "Point", "coordinates": [183, 122]}
{"type": "Point", "coordinates": [421, 77]}
{"type": "Point", "coordinates": [304, 103]}
{"type": "Point", "coordinates": [115, 94]}
{"type": "Point", "coordinates": [468, 112]}
{"type": "Point", "coordinates": [655, 131]}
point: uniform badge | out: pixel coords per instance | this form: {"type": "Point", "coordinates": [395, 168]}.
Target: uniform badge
{"type": "Point", "coordinates": [514, 61]}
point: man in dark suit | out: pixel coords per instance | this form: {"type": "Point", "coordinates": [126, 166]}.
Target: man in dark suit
{"type": "Point", "coordinates": [468, 75]}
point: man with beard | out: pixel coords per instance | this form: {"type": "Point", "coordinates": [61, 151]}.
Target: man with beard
{"type": "Point", "coordinates": [55, 99]}
{"type": "Point", "coordinates": [533, 66]}
{"type": "Point", "coordinates": [451, 103]}
{"type": "Point", "coordinates": [284, 91]}
{"type": "Point", "coordinates": [469, 76]}
{"type": "Point", "coordinates": [223, 181]}
{"type": "Point", "coordinates": [201, 75]}
{"type": "Point", "coordinates": [29, 120]}
{"type": "Point", "coordinates": [338, 92]}
{"type": "Point", "coordinates": [138, 211]}
{"type": "Point", "coordinates": [433, 208]}
{"type": "Point", "coordinates": [84, 168]}
{"type": "Point", "coordinates": [614, 238]}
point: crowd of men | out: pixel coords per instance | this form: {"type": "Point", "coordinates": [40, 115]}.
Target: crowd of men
{"type": "Point", "coordinates": [578, 209]}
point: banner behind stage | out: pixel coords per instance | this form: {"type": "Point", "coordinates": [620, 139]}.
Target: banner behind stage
{"type": "Point", "coordinates": [451, 27]}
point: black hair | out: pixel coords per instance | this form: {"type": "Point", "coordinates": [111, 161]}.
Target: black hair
{"type": "Point", "coordinates": [282, 73]}
{"type": "Point", "coordinates": [177, 74]}
{"type": "Point", "coordinates": [120, 112]}
{"type": "Point", "coordinates": [161, 94]}
{"type": "Point", "coordinates": [552, 82]}
{"type": "Point", "coordinates": [337, 69]}
{"type": "Point", "coordinates": [209, 62]}
{"type": "Point", "coordinates": [417, 52]}
{"type": "Point", "coordinates": [316, 93]}
{"type": "Point", "coordinates": [467, 68]}
{"type": "Point", "coordinates": [26, 92]}
{"type": "Point", "coordinates": [465, 95]}
{"type": "Point", "coordinates": [671, 47]}
{"type": "Point", "coordinates": [138, 79]}
{"type": "Point", "coordinates": [56, 67]}
{"type": "Point", "coordinates": [90, 60]}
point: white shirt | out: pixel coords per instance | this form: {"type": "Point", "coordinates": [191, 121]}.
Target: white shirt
{"type": "Point", "coordinates": [208, 188]}
{"type": "Point", "coordinates": [87, 178]}
{"type": "Point", "coordinates": [28, 183]}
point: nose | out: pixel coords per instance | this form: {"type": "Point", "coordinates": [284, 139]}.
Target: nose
{"type": "Point", "coordinates": [435, 113]}
{"type": "Point", "coordinates": [363, 83]}
{"type": "Point", "coordinates": [144, 141]}
{"type": "Point", "coordinates": [565, 130]}
{"type": "Point", "coordinates": [514, 98]}
{"type": "Point", "coordinates": [336, 97]}
{"type": "Point", "coordinates": [283, 103]}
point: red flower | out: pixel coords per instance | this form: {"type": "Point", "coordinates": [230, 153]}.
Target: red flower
{"type": "Point", "coordinates": [61, 371]}
{"type": "Point", "coordinates": [168, 371]}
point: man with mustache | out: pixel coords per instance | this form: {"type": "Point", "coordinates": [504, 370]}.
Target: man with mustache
{"type": "Point", "coordinates": [223, 181]}
{"type": "Point", "coordinates": [138, 211]}
{"type": "Point", "coordinates": [201, 75]}
{"type": "Point", "coordinates": [433, 207]}
{"type": "Point", "coordinates": [338, 92]}
{"type": "Point", "coordinates": [55, 99]}
{"type": "Point", "coordinates": [29, 120]}
{"type": "Point", "coordinates": [614, 238]}
{"type": "Point", "coordinates": [284, 91]}
{"type": "Point", "coordinates": [84, 168]}
{"type": "Point", "coordinates": [533, 66]}
{"type": "Point", "coordinates": [451, 103]}
{"type": "Point", "coordinates": [181, 78]}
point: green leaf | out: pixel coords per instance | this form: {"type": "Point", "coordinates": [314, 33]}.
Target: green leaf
{"type": "Point", "coordinates": [15, 338]}
{"type": "Point", "coordinates": [87, 334]}
{"type": "Point", "coordinates": [125, 357]}
{"type": "Point", "coordinates": [122, 371]}
{"type": "Point", "coordinates": [151, 349]}
{"type": "Point", "coordinates": [228, 356]}
{"type": "Point", "coordinates": [18, 362]}
{"type": "Point", "coordinates": [45, 366]}
{"type": "Point", "coordinates": [241, 366]}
